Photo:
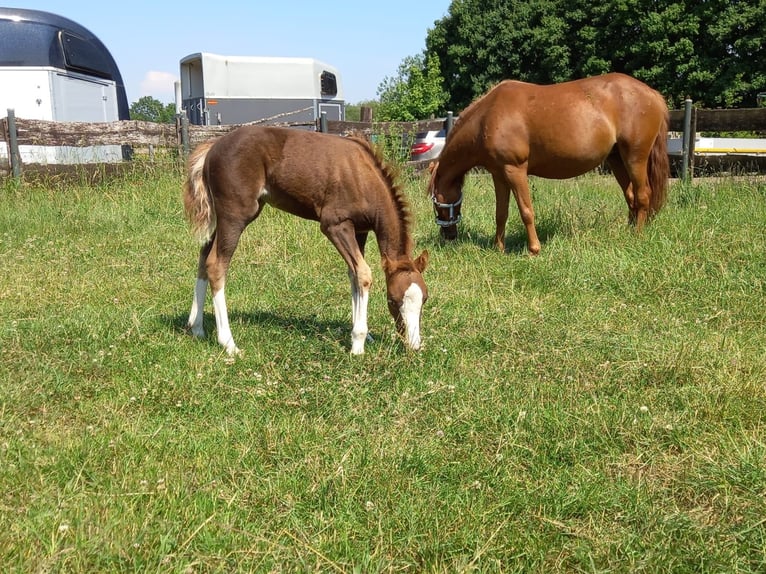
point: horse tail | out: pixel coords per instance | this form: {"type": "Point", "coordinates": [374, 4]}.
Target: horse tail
{"type": "Point", "coordinates": [659, 167]}
{"type": "Point", "coordinates": [198, 201]}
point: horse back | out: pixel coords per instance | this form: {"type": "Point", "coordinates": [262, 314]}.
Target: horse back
{"type": "Point", "coordinates": [560, 129]}
{"type": "Point", "coordinates": [608, 99]}
{"type": "Point", "coordinates": [297, 171]}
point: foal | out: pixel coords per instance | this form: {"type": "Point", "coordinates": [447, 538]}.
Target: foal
{"type": "Point", "coordinates": [340, 182]}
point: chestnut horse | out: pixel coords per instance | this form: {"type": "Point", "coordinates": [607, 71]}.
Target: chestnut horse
{"type": "Point", "coordinates": [340, 182]}
{"type": "Point", "coordinates": [556, 132]}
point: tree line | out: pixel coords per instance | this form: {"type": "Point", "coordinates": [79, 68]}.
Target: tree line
{"type": "Point", "coordinates": [710, 50]}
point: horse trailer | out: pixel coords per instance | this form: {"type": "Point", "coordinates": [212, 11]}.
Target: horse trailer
{"type": "Point", "coordinates": [225, 90]}
{"type": "Point", "coordinates": [54, 69]}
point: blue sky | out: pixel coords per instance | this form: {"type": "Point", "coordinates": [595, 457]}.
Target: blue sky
{"type": "Point", "coordinates": [365, 41]}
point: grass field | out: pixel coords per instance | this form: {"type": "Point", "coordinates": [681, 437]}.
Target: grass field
{"type": "Point", "coordinates": [598, 408]}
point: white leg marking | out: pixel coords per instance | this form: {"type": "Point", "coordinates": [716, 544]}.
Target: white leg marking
{"type": "Point", "coordinates": [198, 305]}
{"type": "Point", "coordinates": [412, 304]}
{"type": "Point", "coordinates": [360, 295]}
{"type": "Point", "coordinates": [222, 323]}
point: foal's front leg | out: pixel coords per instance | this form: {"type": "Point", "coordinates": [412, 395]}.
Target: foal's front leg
{"type": "Point", "coordinates": [360, 295]}
{"type": "Point", "coordinates": [350, 246]}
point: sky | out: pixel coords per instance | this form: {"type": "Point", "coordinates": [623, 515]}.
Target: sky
{"type": "Point", "coordinates": [365, 42]}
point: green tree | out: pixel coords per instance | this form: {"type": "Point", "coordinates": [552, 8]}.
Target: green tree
{"type": "Point", "coordinates": [416, 93]}
{"type": "Point", "coordinates": [481, 42]}
{"type": "Point", "coordinates": [712, 51]}
{"type": "Point", "coordinates": [149, 109]}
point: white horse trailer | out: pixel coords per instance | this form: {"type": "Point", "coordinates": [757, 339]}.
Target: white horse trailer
{"type": "Point", "coordinates": [224, 90]}
{"type": "Point", "coordinates": [52, 68]}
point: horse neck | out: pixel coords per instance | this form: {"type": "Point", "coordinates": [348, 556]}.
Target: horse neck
{"type": "Point", "coordinates": [459, 155]}
{"type": "Point", "coordinates": [392, 235]}
{"type": "Point", "coordinates": [388, 212]}
{"type": "Point", "coordinates": [393, 239]}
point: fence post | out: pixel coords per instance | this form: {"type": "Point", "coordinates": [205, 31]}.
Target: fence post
{"type": "Point", "coordinates": [686, 148]}
{"type": "Point", "coordinates": [323, 122]}
{"type": "Point", "coordinates": [14, 156]}
{"type": "Point", "coordinates": [450, 121]}
{"type": "Point", "coordinates": [184, 133]}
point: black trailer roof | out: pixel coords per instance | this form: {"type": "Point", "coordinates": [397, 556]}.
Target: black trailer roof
{"type": "Point", "coordinates": [33, 38]}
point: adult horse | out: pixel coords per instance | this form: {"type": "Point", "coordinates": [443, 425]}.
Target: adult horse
{"type": "Point", "coordinates": [340, 182]}
{"type": "Point", "coordinates": [557, 132]}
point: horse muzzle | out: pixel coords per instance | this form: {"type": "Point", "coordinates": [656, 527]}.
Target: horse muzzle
{"type": "Point", "coordinates": [448, 233]}
{"type": "Point", "coordinates": [453, 218]}
{"type": "Point", "coordinates": [447, 217]}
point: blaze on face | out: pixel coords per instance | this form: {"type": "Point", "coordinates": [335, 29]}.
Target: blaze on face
{"type": "Point", "coordinates": [407, 293]}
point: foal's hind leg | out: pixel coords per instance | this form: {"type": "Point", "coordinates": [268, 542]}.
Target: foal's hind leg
{"type": "Point", "coordinates": [211, 270]}
{"type": "Point", "coordinates": [196, 315]}
{"type": "Point", "coordinates": [214, 261]}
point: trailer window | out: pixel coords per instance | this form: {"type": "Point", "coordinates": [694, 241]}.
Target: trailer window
{"type": "Point", "coordinates": [329, 84]}
{"type": "Point", "coordinates": [80, 54]}
{"type": "Point", "coordinates": [25, 43]}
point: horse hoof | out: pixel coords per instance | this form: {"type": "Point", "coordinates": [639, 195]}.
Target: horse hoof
{"type": "Point", "coordinates": [197, 332]}
{"type": "Point", "coordinates": [233, 351]}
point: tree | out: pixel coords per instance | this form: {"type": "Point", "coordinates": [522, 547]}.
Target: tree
{"type": "Point", "coordinates": [481, 42]}
{"type": "Point", "coordinates": [150, 110]}
{"type": "Point", "coordinates": [712, 51]}
{"type": "Point", "coordinates": [415, 94]}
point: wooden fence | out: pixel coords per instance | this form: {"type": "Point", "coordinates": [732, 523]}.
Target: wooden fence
{"type": "Point", "coordinates": [179, 138]}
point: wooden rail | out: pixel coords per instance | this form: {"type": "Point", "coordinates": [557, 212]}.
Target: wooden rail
{"type": "Point", "coordinates": [745, 119]}
{"type": "Point", "coordinates": [180, 137]}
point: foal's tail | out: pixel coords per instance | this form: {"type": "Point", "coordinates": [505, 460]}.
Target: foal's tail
{"type": "Point", "coordinates": [659, 168]}
{"type": "Point", "coordinates": [198, 202]}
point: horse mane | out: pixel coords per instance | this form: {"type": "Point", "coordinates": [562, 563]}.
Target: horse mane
{"type": "Point", "coordinates": [390, 177]}
{"type": "Point", "coordinates": [471, 107]}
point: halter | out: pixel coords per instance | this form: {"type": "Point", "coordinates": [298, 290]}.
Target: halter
{"type": "Point", "coordinates": [451, 206]}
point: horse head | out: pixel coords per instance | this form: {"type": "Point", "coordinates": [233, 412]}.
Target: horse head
{"type": "Point", "coordinates": [447, 198]}
{"type": "Point", "coordinates": [407, 293]}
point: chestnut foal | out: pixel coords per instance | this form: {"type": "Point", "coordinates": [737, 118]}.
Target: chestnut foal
{"type": "Point", "coordinates": [340, 182]}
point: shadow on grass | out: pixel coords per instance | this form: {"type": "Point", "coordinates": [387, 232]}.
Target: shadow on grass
{"type": "Point", "coordinates": [272, 324]}
{"type": "Point", "coordinates": [515, 237]}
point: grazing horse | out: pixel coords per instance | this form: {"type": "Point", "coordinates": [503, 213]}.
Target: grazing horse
{"type": "Point", "coordinates": [556, 132]}
{"type": "Point", "coordinates": [340, 182]}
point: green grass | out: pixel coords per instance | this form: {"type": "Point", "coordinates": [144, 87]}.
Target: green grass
{"type": "Point", "coordinates": [598, 408]}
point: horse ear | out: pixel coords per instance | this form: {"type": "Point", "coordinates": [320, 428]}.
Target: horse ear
{"type": "Point", "coordinates": [432, 167]}
{"type": "Point", "coordinates": [422, 261]}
